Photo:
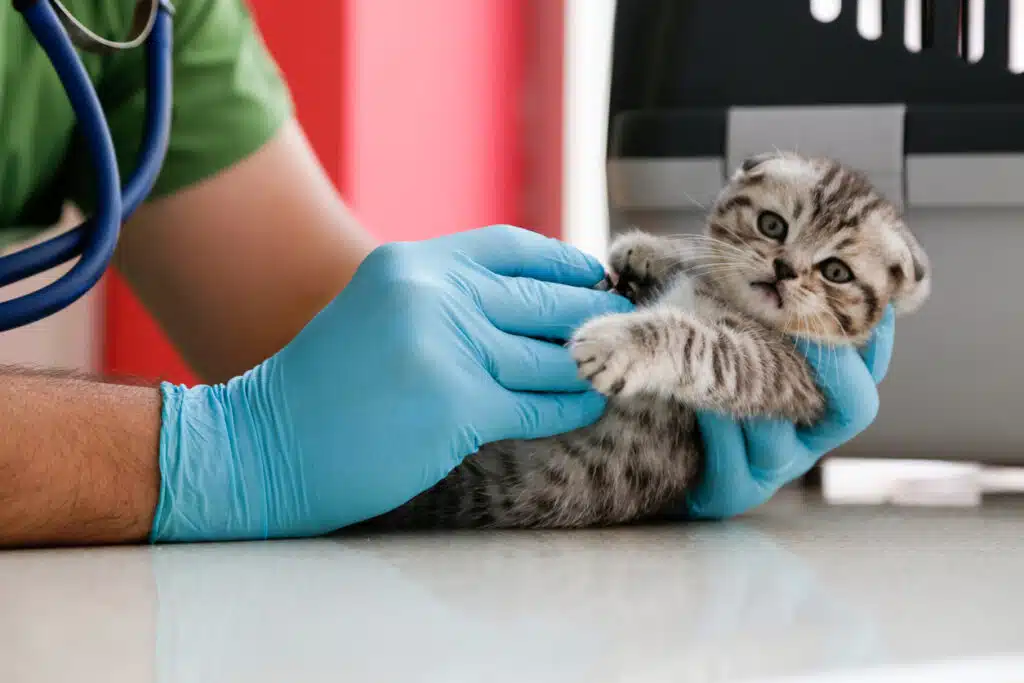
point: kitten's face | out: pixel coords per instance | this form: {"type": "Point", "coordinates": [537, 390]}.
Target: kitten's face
{"type": "Point", "coordinates": [811, 249]}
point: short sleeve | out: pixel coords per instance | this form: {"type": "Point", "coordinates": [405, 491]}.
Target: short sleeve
{"type": "Point", "coordinates": [229, 98]}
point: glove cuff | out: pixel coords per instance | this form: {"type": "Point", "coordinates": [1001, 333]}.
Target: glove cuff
{"type": "Point", "coordinates": [213, 462]}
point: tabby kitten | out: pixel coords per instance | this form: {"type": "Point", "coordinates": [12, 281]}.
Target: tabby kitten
{"type": "Point", "coordinates": [793, 246]}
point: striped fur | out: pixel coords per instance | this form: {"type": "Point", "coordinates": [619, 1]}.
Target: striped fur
{"type": "Point", "coordinates": [704, 336]}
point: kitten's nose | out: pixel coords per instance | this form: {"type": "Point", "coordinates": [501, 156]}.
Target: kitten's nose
{"type": "Point", "coordinates": [783, 271]}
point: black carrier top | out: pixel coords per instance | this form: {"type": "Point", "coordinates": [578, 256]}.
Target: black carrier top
{"type": "Point", "coordinates": [679, 65]}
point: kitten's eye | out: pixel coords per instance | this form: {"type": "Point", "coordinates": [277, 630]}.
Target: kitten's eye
{"type": "Point", "coordinates": [772, 226]}
{"type": "Point", "coordinates": [835, 270]}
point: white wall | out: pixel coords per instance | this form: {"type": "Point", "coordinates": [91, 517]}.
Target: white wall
{"type": "Point", "coordinates": [588, 47]}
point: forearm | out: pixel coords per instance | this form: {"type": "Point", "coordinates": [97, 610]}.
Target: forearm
{"type": "Point", "coordinates": [233, 267]}
{"type": "Point", "coordinates": [78, 460]}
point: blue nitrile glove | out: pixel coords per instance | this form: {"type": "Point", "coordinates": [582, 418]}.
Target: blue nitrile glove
{"type": "Point", "coordinates": [427, 354]}
{"type": "Point", "coordinates": [749, 460]}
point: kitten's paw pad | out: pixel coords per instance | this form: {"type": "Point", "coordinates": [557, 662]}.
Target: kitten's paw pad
{"type": "Point", "coordinates": [601, 349]}
{"type": "Point", "coordinates": [641, 263]}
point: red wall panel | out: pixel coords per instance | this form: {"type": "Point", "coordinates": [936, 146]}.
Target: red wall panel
{"type": "Point", "coordinates": [433, 133]}
{"type": "Point", "coordinates": [542, 115]}
{"type": "Point", "coordinates": [133, 344]}
{"type": "Point", "coordinates": [309, 47]}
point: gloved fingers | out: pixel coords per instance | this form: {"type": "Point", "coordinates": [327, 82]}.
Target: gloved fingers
{"type": "Point", "coordinates": [746, 463]}
{"type": "Point", "coordinates": [726, 486]}
{"type": "Point", "coordinates": [532, 308]}
{"type": "Point", "coordinates": [877, 353]}
{"type": "Point", "coordinates": [516, 252]}
{"type": "Point", "coordinates": [528, 415]}
{"type": "Point", "coordinates": [776, 454]}
{"type": "Point", "coordinates": [523, 364]}
{"type": "Point", "coordinates": [851, 397]}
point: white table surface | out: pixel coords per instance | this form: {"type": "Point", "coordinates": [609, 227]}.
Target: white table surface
{"type": "Point", "coordinates": [798, 589]}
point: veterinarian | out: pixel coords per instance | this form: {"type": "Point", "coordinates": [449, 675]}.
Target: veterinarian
{"type": "Point", "coordinates": [343, 376]}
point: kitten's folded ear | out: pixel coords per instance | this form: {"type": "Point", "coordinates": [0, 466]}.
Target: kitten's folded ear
{"type": "Point", "coordinates": [750, 163]}
{"type": "Point", "coordinates": [750, 167]}
{"type": "Point", "coordinates": [912, 277]}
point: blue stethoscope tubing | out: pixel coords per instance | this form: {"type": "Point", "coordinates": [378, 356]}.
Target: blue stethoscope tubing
{"type": "Point", "coordinates": [95, 239]}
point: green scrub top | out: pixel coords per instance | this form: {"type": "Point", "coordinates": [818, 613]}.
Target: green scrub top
{"type": "Point", "coordinates": [229, 98]}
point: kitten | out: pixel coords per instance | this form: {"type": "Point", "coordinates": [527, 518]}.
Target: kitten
{"type": "Point", "coordinates": [793, 246]}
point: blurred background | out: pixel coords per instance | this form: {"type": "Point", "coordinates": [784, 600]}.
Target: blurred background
{"type": "Point", "coordinates": [504, 104]}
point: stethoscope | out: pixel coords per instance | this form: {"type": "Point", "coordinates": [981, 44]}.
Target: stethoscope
{"type": "Point", "coordinates": [59, 33]}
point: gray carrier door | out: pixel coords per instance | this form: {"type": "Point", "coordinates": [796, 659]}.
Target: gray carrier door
{"type": "Point", "coordinates": [698, 84]}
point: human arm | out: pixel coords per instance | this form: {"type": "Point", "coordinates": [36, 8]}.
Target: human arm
{"type": "Point", "coordinates": [401, 374]}
{"type": "Point", "coordinates": [244, 236]}
{"type": "Point", "coordinates": [78, 460]}
{"type": "Point", "coordinates": [234, 266]}
{"type": "Point", "coordinates": [431, 351]}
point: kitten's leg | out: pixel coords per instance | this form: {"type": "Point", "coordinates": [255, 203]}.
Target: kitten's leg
{"type": "Point", "coordinates": [644, 265]}
{"type": "Point", "coordinates": [707, 365]}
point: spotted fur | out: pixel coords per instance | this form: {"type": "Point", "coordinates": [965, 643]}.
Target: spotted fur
{"type": "Point", "coordinates": [713, 329]}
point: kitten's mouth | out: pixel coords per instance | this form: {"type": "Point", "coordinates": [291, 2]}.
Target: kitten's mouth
{"type": "Point", "coordinates": [770, 290]}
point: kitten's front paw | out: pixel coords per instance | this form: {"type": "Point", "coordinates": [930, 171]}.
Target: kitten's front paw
{"type": "Point", "coordinates": [642, 263]}
{"type": "Point", "coordinates": [603, 351]}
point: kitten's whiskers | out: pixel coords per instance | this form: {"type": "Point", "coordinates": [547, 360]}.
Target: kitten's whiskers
{"type": "Point", "coordinates": [695, 202]}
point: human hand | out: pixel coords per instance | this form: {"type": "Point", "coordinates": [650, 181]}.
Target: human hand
{"type": "Point", "coordinates": [431, 351]}
{"type": "Point", "coordinates": [747, 461]}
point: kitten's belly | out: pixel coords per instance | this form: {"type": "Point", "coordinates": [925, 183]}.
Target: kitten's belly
{"type": "Point", "coordinates": [620, 470]}
{"type": "Point", "coordinates": [631, 464]}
